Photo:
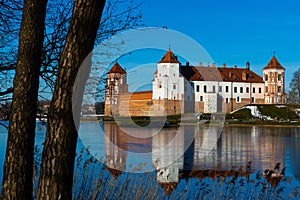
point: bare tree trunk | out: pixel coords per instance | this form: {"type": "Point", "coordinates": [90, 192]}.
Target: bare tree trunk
{"type": "Point", "coordinates": [61, 137]}
{"type": "Point", "coordinates": [18, 168]}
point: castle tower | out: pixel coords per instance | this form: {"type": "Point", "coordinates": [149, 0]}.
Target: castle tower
{"type": "Point", "coordinates": [168, 86]}
{"type": "Point", "coordinates": [116, 84]}
{"type": "Point", "coordinates": [167, 78]}
{"type": "Point", "coordinates": [273, 76]}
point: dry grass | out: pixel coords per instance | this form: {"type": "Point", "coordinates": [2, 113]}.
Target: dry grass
{"type": "Point", "coordinates": [92, 180]}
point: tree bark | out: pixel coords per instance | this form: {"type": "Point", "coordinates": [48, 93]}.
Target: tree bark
{"type": "Point", "coordinates": [18, 167]}
{"type": "Point", "coordinates": [61, 136]}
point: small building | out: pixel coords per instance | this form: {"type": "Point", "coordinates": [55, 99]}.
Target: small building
{"type": "Point", "coordinates": [178, 89]}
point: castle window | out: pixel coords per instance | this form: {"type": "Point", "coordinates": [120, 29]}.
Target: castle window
{"type": "Point", "coordinates": [253, 90]}
{"type": "Point", "coordinates": [214, 89]}
{"type": "Point", "coordinates": [241, 89]}
{"type": "Point", "coordinates": [205, 89]}
{"type": "Point", "coordinates": [197, 88]}
{"type": "Point", "coordinates": [237, 99]}
{"type": "Point", "coordinates": [279, 89]}
{"type": "Point", "coordinates": [266, 77]}
{"type": "Point", "coordinates": [247, 89]}
{"type": "Point", "coordinates": [259, 90]}
{"type": "Point", "coordinates": [220, 88]}
{"type": "Point", "coordinates": [174, 86]}
{"type": "Point", "coordinates": [279, 77]}
{"type": "Point", "coordinates": [226, 100]}
{"type": "Point", "coordinates": [235, 89]}
{"type": "Point", "coordinates": [267, 89]}
{"type": "Point", "coordinates": [201, 98]}
{"type": "Point", "coordinates": [252, 99]}
{"type": "Point", "coordinates": [227, 88]}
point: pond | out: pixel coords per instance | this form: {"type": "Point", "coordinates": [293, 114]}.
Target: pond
{"type": "Point", "coordinates": [212, 162]}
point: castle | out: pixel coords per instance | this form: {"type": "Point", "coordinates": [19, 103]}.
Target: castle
{"type": "Point", "coordinates": [178, 89]}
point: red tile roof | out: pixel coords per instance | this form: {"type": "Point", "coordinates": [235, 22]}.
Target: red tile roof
{"type": "Point", "coordinates": [274, 64]}
{"type": "Point", "coordinates": [169, 57]}
{"type": "Point", "coordinates": [117, 69]}
{"type": "Point", "coordinates": [193, 73]}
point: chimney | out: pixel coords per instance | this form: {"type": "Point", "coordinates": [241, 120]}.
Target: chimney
{"type": "Point", "coordinates": [248, 65]}
{"type": "Point", "coordinates": [214, 65]}
{"type": "Point", "coordinates": [187, 64]}
{"type": "Point", "coordinates": [200, 64]}
{"type": "Point", "coordinates": [224, 65]}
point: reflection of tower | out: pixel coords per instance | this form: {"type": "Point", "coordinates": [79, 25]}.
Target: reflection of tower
{"type": "Point", "coordinates": [167, 147]}
{"type": "Point", "coordinates": [273, 76]}
{"type": "Point", "coordinates": [189, 142]}
{"type": "Point", "coordinates": [115, 149]}
{"type": "Point", "coordinates": [116, 84]}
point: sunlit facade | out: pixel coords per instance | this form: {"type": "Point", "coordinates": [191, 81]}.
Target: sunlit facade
{"type": "Point", "coordinates": [178, 89]}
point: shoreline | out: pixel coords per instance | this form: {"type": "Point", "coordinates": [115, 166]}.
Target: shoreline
{"type": "Point", "coordinates": [226, 123]}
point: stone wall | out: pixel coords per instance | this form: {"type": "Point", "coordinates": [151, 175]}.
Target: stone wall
{"type": "Point", "coordinates": [167, 107]}
{"type": "Point", "coordinates": [142, 104]}
{"type": "Point", "coordinates": [136, 104]}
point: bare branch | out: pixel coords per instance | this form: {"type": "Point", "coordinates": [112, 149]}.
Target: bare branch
{"type": "Point", "coordinates": [8, 91]}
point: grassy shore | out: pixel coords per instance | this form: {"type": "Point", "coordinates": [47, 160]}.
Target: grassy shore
{"type": "Point", "coordinates": [262, 123]}
{"type": "Point", "coordinates": [176, 120]}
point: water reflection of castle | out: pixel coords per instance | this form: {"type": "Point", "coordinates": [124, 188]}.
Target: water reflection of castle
{"type": "Point", "coordinates": [235, 147]}
{"type": "Point", "coordinates": [115, 150]}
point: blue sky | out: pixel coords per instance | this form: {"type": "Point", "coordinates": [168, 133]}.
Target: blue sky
{"type": "Point", "coordinates": [234, 32]}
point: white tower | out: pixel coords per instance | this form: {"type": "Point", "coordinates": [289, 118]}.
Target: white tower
{"type": "Point", "coordinates": [168, 84]}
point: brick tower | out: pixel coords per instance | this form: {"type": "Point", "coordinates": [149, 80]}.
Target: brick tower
{"type": "Point", "coordinates": [116, 84]}
{"type": "Point", "coordinates": [273, 76]}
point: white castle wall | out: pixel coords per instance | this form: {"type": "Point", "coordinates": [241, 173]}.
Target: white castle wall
{"type": "Point", "coordinates": [168, 84]}
{"type": "Point", "coordinates": [255, 90]}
